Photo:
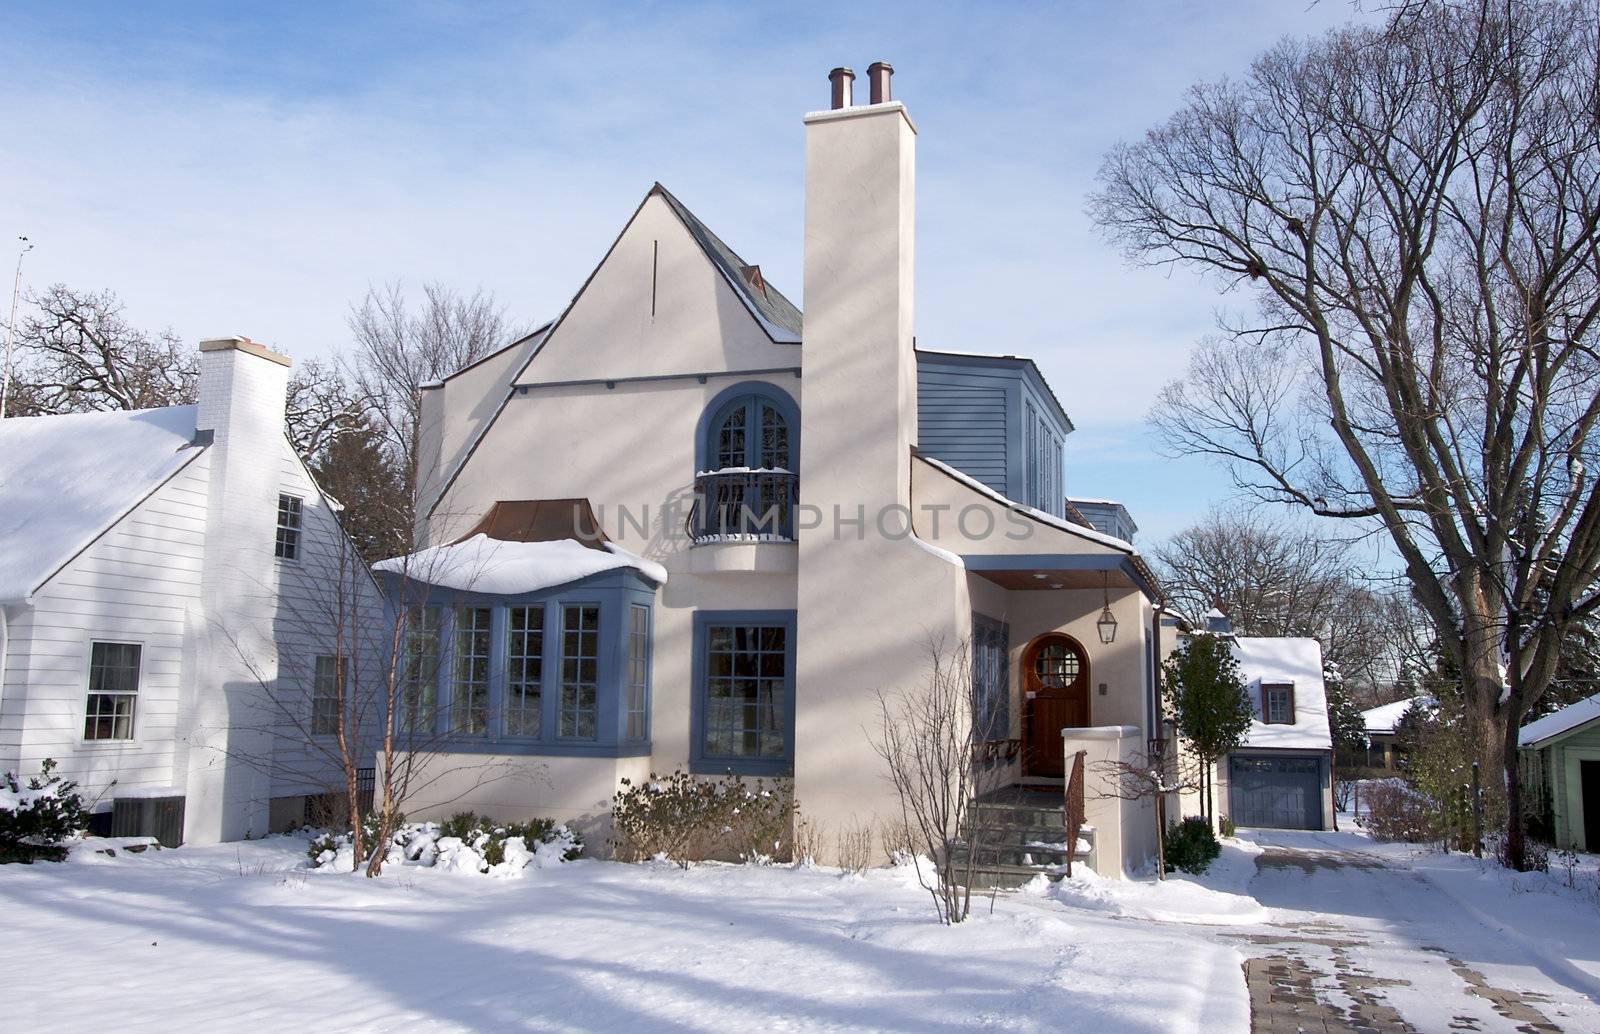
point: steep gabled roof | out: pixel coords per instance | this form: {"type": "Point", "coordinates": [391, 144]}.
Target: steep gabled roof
{"type": "Point", "coordinates": [1566, 720]}
{"type": "Point", "coordinates": [778, 315]}
{"type": "Point", "coordinates": [64, 480]}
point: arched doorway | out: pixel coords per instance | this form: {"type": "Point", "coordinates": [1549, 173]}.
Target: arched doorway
{"type": "Point", "coordinates": [1055, 696]}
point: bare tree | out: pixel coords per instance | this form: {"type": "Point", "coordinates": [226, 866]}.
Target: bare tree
{"type": "Point", "coordinates": [398, 350]}
{"type": "Point", "coordinates": [928, 738]}
{"type": "Point", "coordinates": [80, 354]}
{"type": "Point", "coordinates": [1416, 210]}
{"type": "Point", "coordinates": [352, 695]}
{"type": "Point", "coordinates": [322, 407]}
{"type": "Point", "coordinates": [1275, 577]}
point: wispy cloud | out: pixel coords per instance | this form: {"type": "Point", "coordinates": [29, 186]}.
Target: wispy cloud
{"type": "Point", "coordinates": [254, 173]}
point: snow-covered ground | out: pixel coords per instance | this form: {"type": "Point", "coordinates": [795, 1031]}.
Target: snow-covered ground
{"type": "Point", "coordinates": [1438, 941]}
{"type": "Point", "coordinates": [1329, 927]}
{"type": "Point", "coordinates": [242, 937]}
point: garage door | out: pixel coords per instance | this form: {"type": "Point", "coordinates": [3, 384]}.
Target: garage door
{"type": "Point", "coordinates": [1281, 793]}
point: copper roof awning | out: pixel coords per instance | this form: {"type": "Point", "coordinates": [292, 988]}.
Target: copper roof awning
{"type": "Point", "coordinates": [540, 520]}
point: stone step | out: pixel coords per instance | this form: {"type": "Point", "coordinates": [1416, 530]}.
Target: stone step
{"type": "Point", "coordinates": [1001, 854]}
{"type": "Point", "coordinates": [1008, 877]}
{"type": "Point", "coordinates": [1022, 834]}
{"type": "Point", "coordinates": [1015, 815]}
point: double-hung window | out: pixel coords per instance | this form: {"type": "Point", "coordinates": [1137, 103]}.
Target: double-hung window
{"type": "Point", "coordinates": [744, 699]}
{"type": "Point", "coordinates": [524, 670]}
{"type": "Point", "coordinates": [580, 671]}
{"type": "Point", "coordinates": [287, 545]}
{"type": "Point", "coordinates": [638, 687]}
{"type": "Point", "coordinates": [469, 689]}
{"type": "Point", "coordinates": [420, 671]}
{"type": "Point", "coordinates": [327, 679]}
{"type": "Point", "coordinates": [113, 691]}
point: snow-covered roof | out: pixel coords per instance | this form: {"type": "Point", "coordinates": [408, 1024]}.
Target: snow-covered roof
{"type": "Point", "coordinates": [502, 568]}
{"type": "Point", "coordinates": [1280, 660]}
{"type": "Point", "coordinates": [1039, 515]}
{"type": "Point", "coordinates": [1384, 718]}
{"type": "Point", "coordinates": [1563, 721]}
{"type": "Point", "coordinates": [65, 479]}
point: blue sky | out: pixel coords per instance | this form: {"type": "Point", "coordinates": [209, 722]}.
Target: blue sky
{"type": "Point", "coordinates": [252, 170]}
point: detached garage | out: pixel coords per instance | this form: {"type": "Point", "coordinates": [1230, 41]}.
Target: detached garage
{"type": "Point", "coordinates": [1282, 777]}
{"type": "Point", "coordinates": [1561, 763]}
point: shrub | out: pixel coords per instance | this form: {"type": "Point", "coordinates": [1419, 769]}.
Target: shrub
{"type": "Point", "coordinates": [37, 816]}
{"type": "Point", "coordinates": [692, 820]}
{"type": "Point", "coordinates": [1191, 846]}
{"type": "Point", "coordinates": [465, 842]}
{"type": "Point", "coordinates": [1228, 828]}
{"type": "Point", "coordinates": [1395, 811]}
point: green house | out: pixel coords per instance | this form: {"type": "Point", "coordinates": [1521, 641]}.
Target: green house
{"type": "Point", "coordinates": [1561, 758]}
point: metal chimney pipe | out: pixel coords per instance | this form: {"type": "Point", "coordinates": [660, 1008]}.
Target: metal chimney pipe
{"type": "Point", "coordinates": [878, 74]}
{"type": "Point", "coordinates": [843, 81]}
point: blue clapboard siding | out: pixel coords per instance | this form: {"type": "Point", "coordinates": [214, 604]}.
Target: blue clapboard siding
{"type": "Point", "coordinates": [971, 415]}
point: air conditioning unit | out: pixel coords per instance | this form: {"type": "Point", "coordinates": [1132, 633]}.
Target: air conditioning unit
{"type": "Point", "coordinates": [158, 815]}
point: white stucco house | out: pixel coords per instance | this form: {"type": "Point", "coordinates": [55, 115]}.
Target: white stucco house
{"type": "Point", "coordinates": [160, 573]}
{"type": "Point", "coordinates": [915, 497]}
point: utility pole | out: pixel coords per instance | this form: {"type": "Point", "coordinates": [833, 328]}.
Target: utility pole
{"type": "Point", "coordinates": [11, 328]}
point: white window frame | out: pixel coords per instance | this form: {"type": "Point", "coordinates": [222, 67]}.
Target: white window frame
{"type": "Point", "coordinates": [88, 691]}
{"type": "Point", "coordinates": [289, 537]}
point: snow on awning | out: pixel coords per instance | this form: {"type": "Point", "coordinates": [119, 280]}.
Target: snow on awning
{"type": "Point", "coordinates": [498, 567]}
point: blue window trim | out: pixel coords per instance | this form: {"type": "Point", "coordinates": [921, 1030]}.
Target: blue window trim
{"type": "Point", "coordinates": [649, 670]}
{"type": "Point", "coordinates": [705, 459]}
{"type": "Point", "coordinates": [612, 591]}
{"type": "Point", "coordinates": [988, 631]}
{"type": "Point", "coordinates": [699, 762]}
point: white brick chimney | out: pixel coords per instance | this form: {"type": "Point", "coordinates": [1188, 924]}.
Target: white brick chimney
{"type": "Point", "coordinates": [242, 392]}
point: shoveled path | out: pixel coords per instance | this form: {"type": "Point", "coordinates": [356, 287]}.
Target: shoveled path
{"type": "Point", "coordinates": [1360, 944]}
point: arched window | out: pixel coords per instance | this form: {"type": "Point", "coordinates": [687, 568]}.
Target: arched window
{"type": "Point", "coordinates": [747, 465]}
{"type": "Point", "coordinates": [750, 431]}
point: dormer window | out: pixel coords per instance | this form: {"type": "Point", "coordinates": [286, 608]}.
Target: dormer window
{"type": "Point", "coordinates": [1277, 703]}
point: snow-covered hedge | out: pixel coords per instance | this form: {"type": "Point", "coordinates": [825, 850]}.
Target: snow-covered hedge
{"type": "Point", "coordinates": [37, 816]}
{"type": "Point", "coordinates": [464, 843]}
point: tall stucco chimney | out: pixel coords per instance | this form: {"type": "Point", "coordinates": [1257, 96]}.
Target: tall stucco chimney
{"type": "Point", "coordinates": [868, 599]}
{"type": "Point", "coordinates": [860, 368]}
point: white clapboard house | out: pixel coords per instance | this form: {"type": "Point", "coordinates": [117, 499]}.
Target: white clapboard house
{"type": "Point", "coordinates": [159, 574]}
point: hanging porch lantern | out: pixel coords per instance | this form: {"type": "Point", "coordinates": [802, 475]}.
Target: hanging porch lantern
{"type": "Point", "coordinates": [1108, 621]}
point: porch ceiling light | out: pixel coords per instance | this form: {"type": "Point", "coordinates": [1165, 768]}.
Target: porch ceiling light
{"type": "Point", "coordinates": [1108, 621]}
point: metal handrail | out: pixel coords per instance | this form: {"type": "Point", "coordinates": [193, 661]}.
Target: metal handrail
{"type": "Point", "coordinates": [743, 504]}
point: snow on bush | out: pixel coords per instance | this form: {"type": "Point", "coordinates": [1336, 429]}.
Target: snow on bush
{"type": "Point", "coordinates": [35, 817]}
{"type": "Point", "coordinates": [464, 843]}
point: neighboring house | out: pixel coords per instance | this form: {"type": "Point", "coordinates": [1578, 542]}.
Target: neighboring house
{"type": "Point", "coordinates": [1561, 756]}
{"type": "Point", "coordinates": [1383, 725]}
{"type": "Point", "coordinates": [1282, 775]}
{"type": "Point", "coordinates": [151, 567]}
{"type": "Point", "coordinates": [915, 498]}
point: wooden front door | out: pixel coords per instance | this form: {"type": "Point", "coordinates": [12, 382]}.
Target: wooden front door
{"type": "Point", "coordinates": [1055, 696]}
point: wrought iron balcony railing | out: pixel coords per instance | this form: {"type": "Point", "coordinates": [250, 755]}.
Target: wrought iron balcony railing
{"type": "Point", "coordinates": [743, 504]}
